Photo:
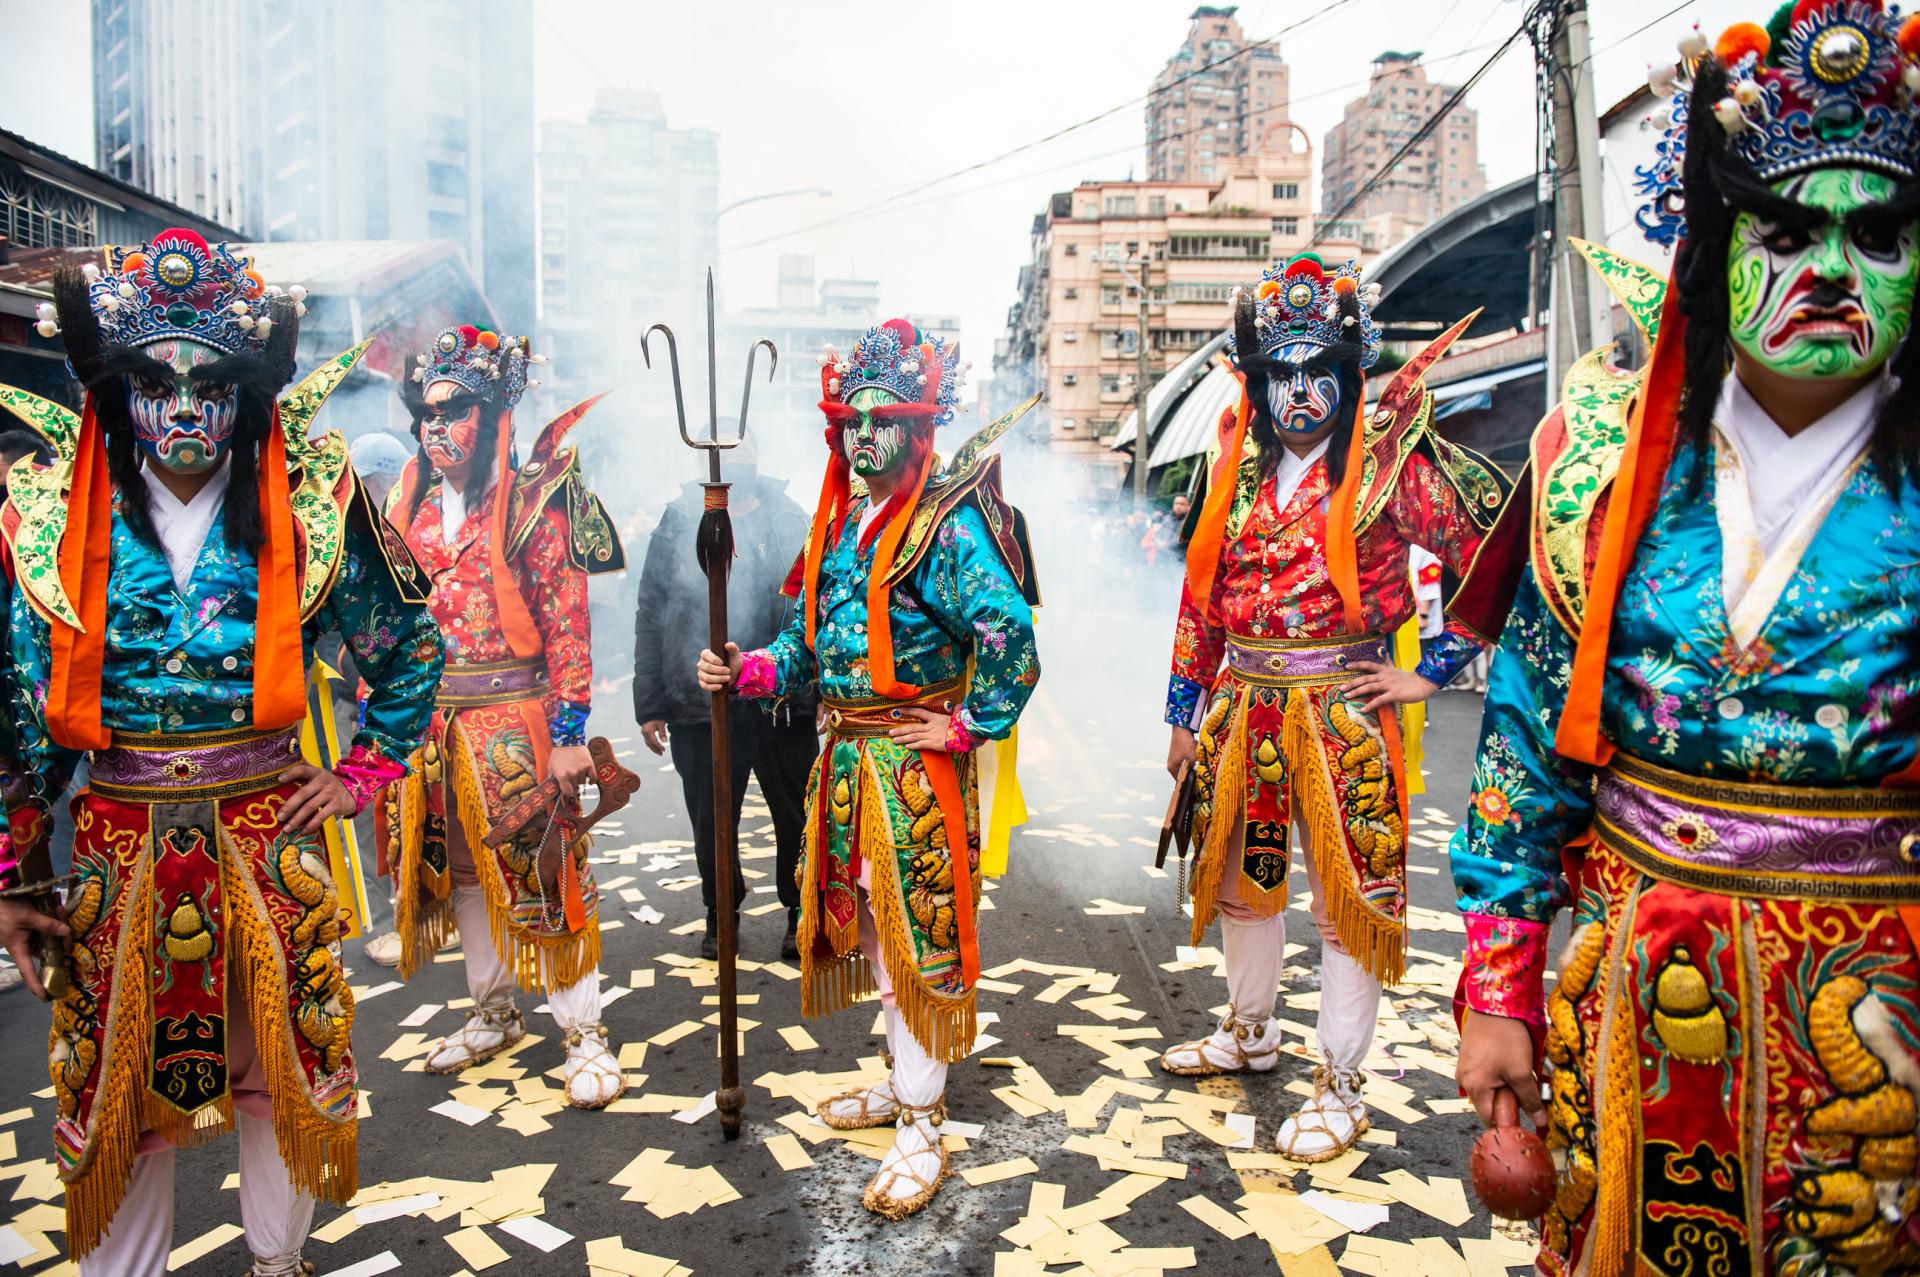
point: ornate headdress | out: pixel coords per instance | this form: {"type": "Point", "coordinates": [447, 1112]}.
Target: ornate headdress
{"type": "Point", "coordinates": [896, 358]}
{"type": "Point", "coordinates": [179, 286]}
{"type": "Point", "coordinates": [479, 361]}
{"type": "Point", "coordinates": [1300, 301]}
{"type": "Point", "coordinates": [1826, 83]}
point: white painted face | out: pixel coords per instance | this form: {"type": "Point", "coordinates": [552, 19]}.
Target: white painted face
{"type": "Point", "coordinates": [181, 423]}
{"type": "Point", "coordinates": [1303, 397]}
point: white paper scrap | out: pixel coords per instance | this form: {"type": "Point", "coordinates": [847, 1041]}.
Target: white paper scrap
{"type": "Point", "coordinates": [537, 1233]}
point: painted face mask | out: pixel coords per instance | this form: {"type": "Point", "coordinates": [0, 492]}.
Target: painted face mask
{"type": "Point", "coordinates": [1303, 397]}
{"type": "Point", "coordinates": [182, 424]}
{"type": "Point", "coordinates": [875, 442]}
{"type": "Point", "coordinates": [450, 427]}
{"type": "Point", "coordinates": [1832, 298]}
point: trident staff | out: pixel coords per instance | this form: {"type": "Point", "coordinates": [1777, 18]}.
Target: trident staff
{"type": "Point", "coordinates": [714, 546]}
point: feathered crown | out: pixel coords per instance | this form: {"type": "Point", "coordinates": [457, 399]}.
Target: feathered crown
{"type": "Point", "coordinates": [479, 361]}
{"type": "Point", "coordinates": [1826, 83]}
{"type": "Point", "coordinates": [1299, 302]}
{"type": "Point", "coordinates": [896, 358]}
{"type": "Point", "coordinates": [178, 286]}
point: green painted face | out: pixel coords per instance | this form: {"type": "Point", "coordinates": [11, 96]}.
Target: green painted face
{"type": "Point", "coordinates": [1831, 299]}
{"type": "Point", "coordinates": [874, 442]}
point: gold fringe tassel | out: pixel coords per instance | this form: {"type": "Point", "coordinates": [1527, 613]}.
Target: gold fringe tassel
{"type": "Point", "coordinates": [538, 963]}
{"type": "Point", "coordinates": [320, 1151]}
{"type": "Point", "coordinates": [1377, 942]}
{"type": "Point", "coordinates": [835, 983]}
{"type": "Point", "coordinates": [1229, 805]}
{"type": "Point", "coordinates": [1610, 1235]}
{"type": "Point", "coordinates": [944, 1026]}
{"type": "Point", "coordinates": [423, 925]}
{"type": "Point", "coordinates": [97, 1186]}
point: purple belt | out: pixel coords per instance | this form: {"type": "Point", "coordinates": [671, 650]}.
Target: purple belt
{"type": "Point", "coordinates": [1783, 841]}
{"type": "Point", "coordinates": [1300, 662]}
{"type": "Point", "coordinates": [161, 768]}
{"type": "Point", "coordinates": [491, 683]}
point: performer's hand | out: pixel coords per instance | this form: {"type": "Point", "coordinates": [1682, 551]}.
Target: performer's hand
{"type": "Point", "coordinates": [1181, 751]}
{"type": "Point", "coordinates": [927, 730]}
{"type": "Point", "coordinates": [320, 795]}
{"type": "Point", "coordinates": [654, 732]}
{"type": "Point", "coordinates": [18, 922]}
{"type": "Point", "coordinates": [570, 765]}
{"type": "Point", "coordinates": [1496, 1054]}
{"type": "Point", "coordinates": [1387, 685]}
{"type": "Point", "coordinates": [716, 675]}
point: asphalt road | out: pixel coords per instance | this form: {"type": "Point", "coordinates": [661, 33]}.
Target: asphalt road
{"type": "Point", "coordinates": [1090, 752]}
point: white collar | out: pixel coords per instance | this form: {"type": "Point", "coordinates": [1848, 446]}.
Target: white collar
{"type": "Point", "coordinates": [1292, 470]}
{"type": "Point", "coordinates": [182, 526]}
{"type": "Point", "coordinates": [453, 506]}
{"type": "Point", "coordinates": [1785, 472]}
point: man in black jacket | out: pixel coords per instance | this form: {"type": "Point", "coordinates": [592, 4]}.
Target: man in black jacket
{"type": "Point", "coordinates": [778, 743]}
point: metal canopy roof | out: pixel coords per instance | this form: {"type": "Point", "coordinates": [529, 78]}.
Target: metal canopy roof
{"type": "Point", "coordinates": [1475, 256]}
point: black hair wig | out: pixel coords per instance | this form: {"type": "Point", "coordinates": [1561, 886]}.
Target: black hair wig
{"type": "Point", "coordinates": [1344, 357]}
{"type": "Point", "coordinates": [493, 411]}
{"type": "Point", "coordinates": [107, 369]}
{"type": "Point", "coordinates": [1718, 185]}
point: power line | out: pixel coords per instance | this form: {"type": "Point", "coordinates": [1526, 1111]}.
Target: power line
{"type": "Point", "coordinates": [893, 205]}
{"type": "Point", "coordinates": [1324, 225]}
{"type": "Point", "coordinates": [1318, 15]}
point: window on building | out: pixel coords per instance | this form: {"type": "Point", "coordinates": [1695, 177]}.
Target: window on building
{"type": "Point", "coordinates": [1072, 250]}
{"type": "Point", "coordinates": [1286, 226]}
{"type": "Point", "coordinates": [1070, 379]}
{"type": "Point", "coordinates": [1156, 206]}
{"type": "Point", "coordinates": [1286, 190]}
{"type": "Point", "coordinates": [1110, 294]}
{"type": "Point", "coordinates": [1109, 383]}
{"type": "Point", "coordinates": [1119, 206]}
{"type": "Point", "coordinates": [1072, 294]}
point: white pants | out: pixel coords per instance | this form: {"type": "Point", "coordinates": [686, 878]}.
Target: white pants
{"type": "Point", "coordinates": [276, 1215]}
{"type": "Point", "coordinates": [488, 981]}
{"type": "Point", "coordinates": [918, 1078]}
{"type": "Point", "coordinates": [1255, 948]}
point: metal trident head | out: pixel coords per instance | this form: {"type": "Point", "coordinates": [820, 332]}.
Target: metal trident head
{"type": "Point", "coordinates": [713, 443]}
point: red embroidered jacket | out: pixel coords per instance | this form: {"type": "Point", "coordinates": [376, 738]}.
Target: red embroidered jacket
{"type": "Point", "coordinates": [553, 585]}
{"type": "Point", "coordinates": [1273, 580]}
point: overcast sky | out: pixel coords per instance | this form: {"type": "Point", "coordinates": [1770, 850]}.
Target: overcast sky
{"type": "Point", "coordinates": [872, 101]}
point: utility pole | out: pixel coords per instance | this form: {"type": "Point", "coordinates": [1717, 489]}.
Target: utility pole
{"type": "Point", "coordinates": [1142, 378]}
{"type": "Point", "coordinates": [1580, 312]}
{"type": "Point", "coordinates": [1142, 443]}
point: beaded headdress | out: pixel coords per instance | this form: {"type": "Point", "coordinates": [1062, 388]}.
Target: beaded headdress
{"type": "Point", "coordinates": [1300, 301]}
{"type": "Point", "coordinates": [179, 287]}
{"type": "Point", "coordinates": [480, 361]}
{"type": "Point", "coordinates": [896, 358]}
{"type": "Point", "coordinates": [1826, 83]}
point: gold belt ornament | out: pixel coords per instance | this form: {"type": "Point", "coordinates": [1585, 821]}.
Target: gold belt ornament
{"type": "Point", "coordinates": [1741, 838]}
{"type": "Point", "coordinates": [159, 767]}
{"type": "Point", "coordinates": [491, 683]}
{"type": "Point", "coordinates": [1310, 662]}
{"type": "Point", "coordinates": [877, 716]}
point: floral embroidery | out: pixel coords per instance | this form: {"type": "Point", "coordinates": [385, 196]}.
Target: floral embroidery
{"type": "Point", "coordinates": [1505, 970]}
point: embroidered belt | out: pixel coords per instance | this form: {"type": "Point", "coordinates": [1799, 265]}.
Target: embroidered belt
{"type": "Point", "coordinates": [1318, 662]}
{"type": "Point", "coordinates": [147, 767]}
{"type": "Point", "coordinates": [1741, 839]}
{"type": "Point", "coordinates": [491, 683]}
{"type": "Point", "coordinates": [875, 717]}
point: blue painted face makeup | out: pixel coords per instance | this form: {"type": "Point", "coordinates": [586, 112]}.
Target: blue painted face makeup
{"type": "Point", "coordinates": [1302, 398]}
{"type": "Point", "coordinates": [181, 424]}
